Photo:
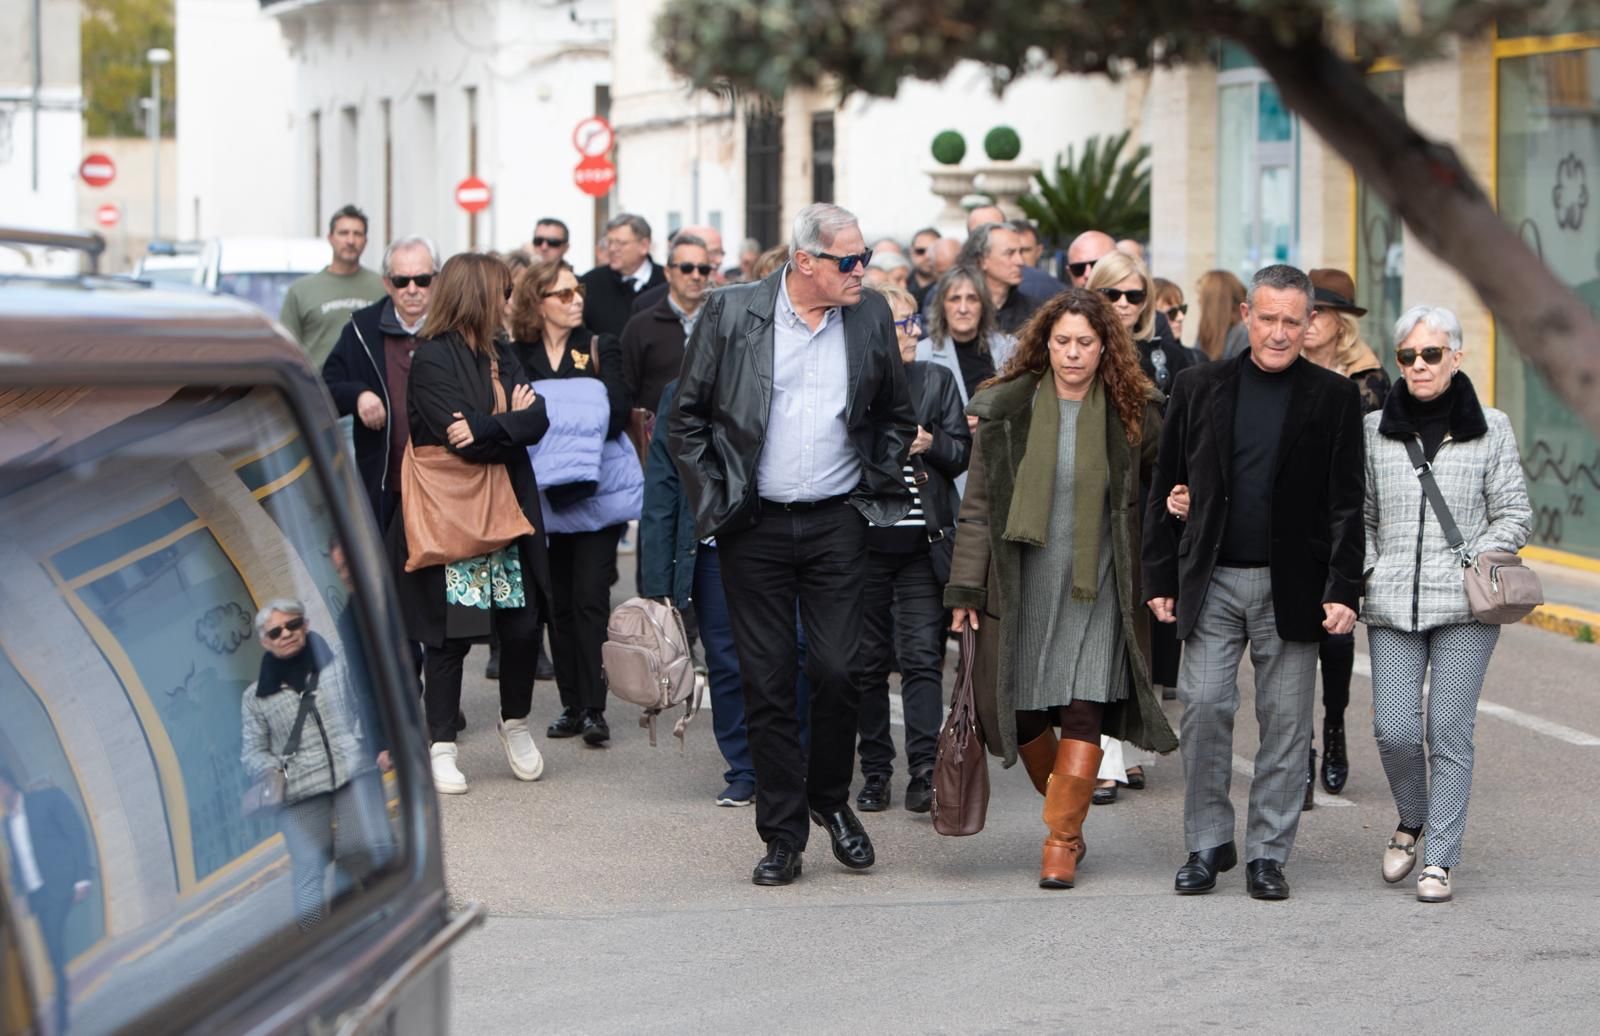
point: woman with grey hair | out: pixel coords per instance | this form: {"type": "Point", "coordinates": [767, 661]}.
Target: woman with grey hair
{"type": "Point", "coordinates": [303, 736]}
{"type": "Point", "coordinates": [962, 332]}
{"type": "Point", "coordinates": [1416, 606]}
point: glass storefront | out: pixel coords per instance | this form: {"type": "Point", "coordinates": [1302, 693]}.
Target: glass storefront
{"type": "Point", "coordinates": [1258, 217]}
{"type": "Point", "coordinates": [1380, 242]}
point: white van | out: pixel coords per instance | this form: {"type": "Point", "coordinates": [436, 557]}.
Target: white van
{"type": "Point", "coordinates": [260, 269]}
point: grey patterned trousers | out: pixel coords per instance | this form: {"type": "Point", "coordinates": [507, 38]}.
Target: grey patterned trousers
{"type": "Point", "coordinates": [1238, 611]}
{"type": "Point", "coordinates": [1459, 655]}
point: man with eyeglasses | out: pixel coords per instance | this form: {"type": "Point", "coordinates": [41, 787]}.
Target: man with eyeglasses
{"type": "Point", "coordinates": [711, 239]}
{"type": "Point", "coordinates": [1087, 249]}
{"type": "Point", "coordinates": [789, 429]}
{"type": "Point", "coordinates": [551, 239]}
{"type": "Point", "coordinates": [652, 343]}
{"type": "Point", "coordinates": [995, 250]}
{"type": "Point", "coordinates": [922, 272]}
{"type": "Point", "coordinates": [611, 289]}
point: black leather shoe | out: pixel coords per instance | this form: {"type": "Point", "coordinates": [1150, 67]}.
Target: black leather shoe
{"type": "Point", "coordinates": [1264, 880]}
{"type": "Point", "coordinates": [919, 793]}
{"type": "Point", "coordinates": [461, 721]}
{"type": "Point", "coordinates": [544, 669]}
{"type": "Point", "coordinates": [568, 724]}
{"type": "Point", "coordinates": [1335, 761]}
{"type": "Point", "coordinates": [1199, 872]}
{"type": "Point", "coordinates": [1310, 802]}
{"type": "Point", "coordinates": [1104, 796]}
{"type": "Point", "coordinates": [491, 671]}
{"type": "Point", "coordinates": [593, 725]}
{"type": "Point", "coordinates": [874, 795]}
{"type": "Point", "coordinates": [780, 866]}
{"type": "Point", "coordinates": [851, 846]}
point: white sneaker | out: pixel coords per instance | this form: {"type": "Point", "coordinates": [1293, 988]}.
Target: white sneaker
{"type": "Point", "coordinates": [1434, 885]}
{"type": "Point", "coordinates": [521, 752]}
{"type": "Point", "coordinates": [447, 776]}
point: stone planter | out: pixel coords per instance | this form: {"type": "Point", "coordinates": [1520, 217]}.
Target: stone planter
{"type": "Point", "coordinates": [952, 183]}
{"type": "Point", "coordinates": [1004, 181]}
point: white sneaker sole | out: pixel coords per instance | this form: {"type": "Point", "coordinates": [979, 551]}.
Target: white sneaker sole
{"type": "Point", "coordinates": [736, 803]}
{"type": "Point", "coordinates": [449, 789]}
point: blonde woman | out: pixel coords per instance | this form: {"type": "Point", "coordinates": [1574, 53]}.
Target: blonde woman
{"type": "Point", "coordinates": [1220, 295]}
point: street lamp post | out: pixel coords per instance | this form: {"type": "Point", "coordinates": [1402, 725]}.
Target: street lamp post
{"type": "Point", "coordinates": [157, 56]}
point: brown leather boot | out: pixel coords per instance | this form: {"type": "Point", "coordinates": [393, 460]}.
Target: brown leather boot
{"type": "Point", "coordinates": [1039, 758]}
{"type": "Point", "coordinates": [1066, 804]}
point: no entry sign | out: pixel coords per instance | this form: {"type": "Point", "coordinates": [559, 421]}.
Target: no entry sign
{"type": "Point", "coordinates": [595, 175]}
{"type": "Point", "coordinates": [108, 215]}
{"type": "Point", "coordinates": [473, 194]}
{"type": "Point", "coordinates": [97, 170]}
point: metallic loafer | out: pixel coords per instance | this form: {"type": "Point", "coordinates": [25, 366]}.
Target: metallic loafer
{"type": "Point", "coordinates": [1399, 857]}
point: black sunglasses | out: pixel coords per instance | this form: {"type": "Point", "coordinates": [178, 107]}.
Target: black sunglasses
{"type": "Point", "coordinates": [509, 290]}
{"type": "Point", "coordinates": [1079, 269]}
{"type": "Point", "coordinates": [1431, 355]}
{"type": "Point", "coordinates": [292, 626]}
{"type": "Point", "coordinates": [1174, 312]}
{"type": "Point", "coordinates": [919, 251]}
{"type": "Point", "coordinates": [703, 269]}
{"type": "Point", "coordinates": [848, 262]}
{"type": "Point", "coordinates": [422, 280]}
{"type": "Point", "coordinates": [1134, 295]}
{"type": "Point", "coordinates": [549, 242]}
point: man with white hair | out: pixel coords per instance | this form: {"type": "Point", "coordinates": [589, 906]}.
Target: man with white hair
{"type": "Point", "coordinates": [790, 426]}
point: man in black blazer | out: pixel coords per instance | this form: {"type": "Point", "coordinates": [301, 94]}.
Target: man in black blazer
{"type": "Point", "coordinates": [1269, 448]}
{"type": "Point", "coordinates": [609, 290]}
{"type": "Point", "coordinates": [49, 866]}
{"type": "Point", "coordinates": [790, 430]}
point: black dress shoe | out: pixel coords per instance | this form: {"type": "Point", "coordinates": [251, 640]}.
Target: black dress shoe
{"type": "Point", "coordinates": [919, 793]}
{"type": "Point", "coordinates": [1310, 801]}
{"type": "Point", "coordinates": [461, 721]}
{"type": "Point", "coordinates": [851, 846]}
{"type": "Point", "coordinates": [568, 724]}
{"type": "Point", "coordinates": [1199, 872]}
{"type": "Point", "coordinates": [1136, 779]}
{"type": "Point", "coordinates": [874, 795]}
{"type": "Point", "coordinates": [544, 669]}
{"type": "Point", "coordinates": [491, 671]}
{"type": "Point", "coordinates": [780, 866]}
{"type": "Point", "coordinates": [1335, 761]}
{"type": "Point", "coordinates": [1264, 880]}
{"type": "Point", "coordinates": [1104, 796]}
{"type": "Point", "coordinates": [593, 725]}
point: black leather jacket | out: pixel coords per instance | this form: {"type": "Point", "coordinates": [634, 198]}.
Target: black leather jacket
{"type": "Point", "coordinates": [937, 402]}
{"type": "Point", "coordinates": [718, 423]}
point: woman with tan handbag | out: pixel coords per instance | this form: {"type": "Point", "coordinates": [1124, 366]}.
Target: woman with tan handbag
{"type": "Point", "coordinates": [1047, 560]}
{"type": "Point", "coordinates": [471, 546]}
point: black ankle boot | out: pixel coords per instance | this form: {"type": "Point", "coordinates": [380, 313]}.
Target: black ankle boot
{"type": "Point", "coordinates": [1311, 783]}
{"type": "Point", "coordinates": [1335, 763]}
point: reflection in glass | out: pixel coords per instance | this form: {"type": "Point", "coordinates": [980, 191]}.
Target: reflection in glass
{"type": "Point", "coordinates": [1380, 247]}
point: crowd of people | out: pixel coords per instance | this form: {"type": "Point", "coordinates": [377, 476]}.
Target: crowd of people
{"type": "Point", "coordinates": [839, 453]}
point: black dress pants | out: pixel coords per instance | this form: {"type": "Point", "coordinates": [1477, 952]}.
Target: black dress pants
{"type": "Point", "coordinates": [813, 559]}
{"type": "Point", "coordinates": [583, 565]}
{"type": "Point", "coordinates": [518, 629]}
{"type": "Point", "coordinates": [1337, 653]}
{"type": "Point", "coordinates": [902, 618]}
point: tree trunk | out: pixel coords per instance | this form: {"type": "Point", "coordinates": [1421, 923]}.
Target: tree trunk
{"type": "Point", "coordinates": [1437, 198]}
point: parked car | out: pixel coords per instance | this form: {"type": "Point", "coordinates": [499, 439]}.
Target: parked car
{"type": "Point", "coordinates": [169, 263]}
{"type": "Point", "coordinates": [259, 269]}
{"type": "Point", "coordinates": [168, 466]}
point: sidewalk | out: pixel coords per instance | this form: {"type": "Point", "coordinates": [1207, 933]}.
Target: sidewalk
{"type": "Point", "coordinates": [1572, 601]}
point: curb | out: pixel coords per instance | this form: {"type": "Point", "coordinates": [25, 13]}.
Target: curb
{"type": "Point", "coordinates": [1577, 623]}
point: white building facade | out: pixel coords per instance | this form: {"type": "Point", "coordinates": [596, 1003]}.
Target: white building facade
{"type": "Point", "coordinates": [41, 133]}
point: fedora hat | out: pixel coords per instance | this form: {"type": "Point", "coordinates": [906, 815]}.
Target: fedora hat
{"type": "Point", "coordinates": [1333, 289]}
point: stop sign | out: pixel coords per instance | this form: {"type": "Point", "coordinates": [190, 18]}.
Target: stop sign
{"type": "Point", "coordinates": [107, 215]}
{"type": "Point", "coordinates": [473, 194]}
{"type": "Point", "coordinates": [595, 175]}
{"type": "Point", "coordinates": [97, 170]}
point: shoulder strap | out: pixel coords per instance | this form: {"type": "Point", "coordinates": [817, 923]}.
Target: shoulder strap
{"type": "Point", "coordinates": [307, 703]}
{"type": "Point", "coordinates": [1430, 489]}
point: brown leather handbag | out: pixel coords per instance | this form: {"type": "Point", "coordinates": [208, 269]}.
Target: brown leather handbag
{"type": "Point", "coordinates": [453, 508]}
{"type": "Point", "coordinates": [641, 422]}
{"type": "Point", "coordinates": [960, 767]}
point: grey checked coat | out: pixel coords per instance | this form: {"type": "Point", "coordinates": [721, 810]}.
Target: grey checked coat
{"type": "Point", "coordinates": [317, 767]}
{"type": "Point", "coordinates": [1413, 581]}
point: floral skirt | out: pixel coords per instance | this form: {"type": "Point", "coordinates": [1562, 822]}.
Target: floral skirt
{"type": "Point", "coordinates": [475, 586]}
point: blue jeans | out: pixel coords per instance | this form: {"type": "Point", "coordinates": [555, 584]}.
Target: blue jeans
{"type": "Point", "coordinates": [722, 670]}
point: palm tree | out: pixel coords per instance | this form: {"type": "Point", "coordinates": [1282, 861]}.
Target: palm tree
{"type": "Point", "coordinates": [1097, 192]}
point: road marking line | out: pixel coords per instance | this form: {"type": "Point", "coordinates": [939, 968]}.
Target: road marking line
{"type": "Point", "coordinates": [1245, 768]}
{"type": "Point", "coordinates": [1528, 721]}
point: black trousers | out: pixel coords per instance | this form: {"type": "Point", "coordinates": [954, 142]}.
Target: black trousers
{"type": "Point", "coordinates": [902, 617]}
{"type": "Point", "coordinates": [518, 630]}
{"type": "Point", "coordinates": [583, 566]}
{"type": "Point", "coordinates": [1337, 652]}
{"type": "Point", "coordinates": [813, 559]}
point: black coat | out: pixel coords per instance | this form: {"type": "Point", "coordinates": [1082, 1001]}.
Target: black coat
{"type": "Point", "coordinates": [60, 845]}
{"type": "Point", "coordinates": [718, 422]}
{"type": "Point", "coordinates": [608, 300]}
{"type": "Point", "coordinates": [937, 402]}
{"type": "Point", "coordinates": [652, 352]}
{"type": "Point", "coordinates": [1318, 540]}
{"type": "Point", "coordinates": [356, 365]}
{"type": "Point", "coordinates": [446, 378]}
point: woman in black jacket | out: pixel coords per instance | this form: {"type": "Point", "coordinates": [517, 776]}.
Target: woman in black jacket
{"type": "Point", "coordinates": [453, 400]}
{"type": "Point", "coordinates": [551, 341]}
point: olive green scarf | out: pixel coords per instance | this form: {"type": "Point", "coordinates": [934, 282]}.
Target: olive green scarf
{"type": "Point", "coordinates": [1029, 519]}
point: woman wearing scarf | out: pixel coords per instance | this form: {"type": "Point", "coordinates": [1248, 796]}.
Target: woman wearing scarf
{"type": "Point", "coordinates": [332, 796]}
{"type": "Point", "coordinates": [1047, 560]}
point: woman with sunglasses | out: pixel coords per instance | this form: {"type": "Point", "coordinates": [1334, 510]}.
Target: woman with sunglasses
{"type": "Point", "coordinates": [1416, 607]}
{"type": "Point", "coordinates": [1124, 282]}
{"type": "Point", "coordinates": [589, 505]}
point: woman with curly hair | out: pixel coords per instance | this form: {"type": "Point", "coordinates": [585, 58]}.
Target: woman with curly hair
{"type": "Point", "coordinates": [1046, 562]}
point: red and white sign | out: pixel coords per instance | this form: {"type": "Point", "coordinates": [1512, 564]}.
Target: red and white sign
{"type": "Point", "coordinates": [592, 137]}
{"type": "Point", "coordinates": [98, 170]}
{"type": "Point", "coordinates": [595, 176]}
{"type": "Point", "coordinates": [108, 215]}
{"type": "Point", "coordinates": [473, 194]}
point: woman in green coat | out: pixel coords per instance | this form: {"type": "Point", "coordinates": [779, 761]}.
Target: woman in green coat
{"type": "Point", "coordinates": [1047, 560]}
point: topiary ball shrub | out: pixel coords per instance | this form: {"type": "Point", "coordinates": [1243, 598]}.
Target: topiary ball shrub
{"type": "Point", "coordinates": [949, 148]}
{"type": "Point", "coordinates": [1002, 144]}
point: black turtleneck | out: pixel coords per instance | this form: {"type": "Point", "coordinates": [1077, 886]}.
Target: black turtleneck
{"type": "Point", "coordinates": [1432, 419]}
{"type": "Point", "coordinates": [1257, 426]}
{"type": "Point", "coordinates": [977, 366]}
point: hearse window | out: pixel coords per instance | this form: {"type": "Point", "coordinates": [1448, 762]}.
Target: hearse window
{"type": "Point", "coordinates": [174, 603]}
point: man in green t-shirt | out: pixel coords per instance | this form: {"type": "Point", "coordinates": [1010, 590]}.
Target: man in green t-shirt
{"type": "Point", "coordinates": [318, 305]}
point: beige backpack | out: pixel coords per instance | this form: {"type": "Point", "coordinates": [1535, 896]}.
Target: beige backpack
{"type": "Point", "coordinates": [648, 662]}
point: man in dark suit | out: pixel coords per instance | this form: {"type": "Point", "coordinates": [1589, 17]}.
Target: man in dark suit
{"type": "Point", "coordinates": [790, 429]}
{"type": "Point", "coordinates": [652, 343]}
{"type": "Point", "coordinates": [609, 290]}
{"type": "Point", "coordinates": [1267, 451]}
{"type": "Point", "coordinates": [49, 858]}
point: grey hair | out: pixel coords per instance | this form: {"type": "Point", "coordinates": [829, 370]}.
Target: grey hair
{"type": "Point", "coordinates": [402, 243]}
{"type": "Point", "coordinates": [1281, 277]}
{"type": "Point", "coordinates": [286, 605]}
{"type": "Point", "coordinates": [817, 225]}
{"type": "Point", "coordinates": [1436, 317]}
{"type": "Point", "coordinates": [680, 239]}
{"type": "Point", "coordinates": [637, 224]}
{"type": "Point", "coordinates": [751, 245]}
{"type": "Point", "coordinates": [888, 261]}
{"type": "Point", "coordinates": [976, 248]}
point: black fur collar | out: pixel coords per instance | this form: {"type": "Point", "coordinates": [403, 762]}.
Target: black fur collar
{"type": "Point", "coordinates": [1466, 413]}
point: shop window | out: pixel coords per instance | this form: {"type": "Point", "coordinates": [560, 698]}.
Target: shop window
{"type": "Point", "coordinates": [1257, 174]}
{"type": "Point", "coordinates": [1380, 242]}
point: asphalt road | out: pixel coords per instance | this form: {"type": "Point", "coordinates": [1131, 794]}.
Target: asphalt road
{"type": "Point", "coordinates": [621, 901]}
